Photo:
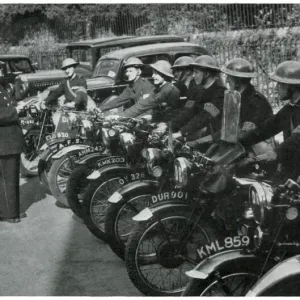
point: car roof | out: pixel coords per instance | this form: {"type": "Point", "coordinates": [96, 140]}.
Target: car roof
{"type": "Point", "coordinates": [148, 49]}
{"type": "Point", "coordinates": [12, 56]}
{"type": "Point", "coordinates": [93, 42]}
{"type": "Point", "coordinates": [127, 41]}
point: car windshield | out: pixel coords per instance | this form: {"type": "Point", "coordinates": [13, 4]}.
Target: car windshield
{"type": "Point", "coordinates": [82, 55]}
{"type": "Point", "coordinates": [107, 68]}
{"type": "Point", "coordinates": [20, 65]}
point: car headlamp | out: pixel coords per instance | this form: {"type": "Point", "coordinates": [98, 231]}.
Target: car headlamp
{"type": "Point", "coordinates": [260, 197]}
{"type": "Point", "coordinates": [181, 171]}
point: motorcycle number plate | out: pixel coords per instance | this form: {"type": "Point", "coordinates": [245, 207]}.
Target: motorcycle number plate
{"type": "Point", "coordinates": [169, 195]}
{"type": "Point", "coordinates": [230, 242]}
{"type": "Point", "coordinates": [27, 122]}
{"type": "Point", "coordinates": [115, 197]}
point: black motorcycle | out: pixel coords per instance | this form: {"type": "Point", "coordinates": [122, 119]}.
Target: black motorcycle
{"type": "Point", "coordinates": [275, 221]}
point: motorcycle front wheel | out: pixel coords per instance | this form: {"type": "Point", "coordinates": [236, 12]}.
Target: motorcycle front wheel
{"type": "Point", "coordinates": [30, 157]}
{"type": "Point", "coordinates": [156, 257]}
{"type": "Point", "coordinates": [58, 176]}
{"type": "Point", "coordinates": [235, 281]}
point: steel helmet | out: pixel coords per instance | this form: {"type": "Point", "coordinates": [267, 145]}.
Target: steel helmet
{"type": "Point", "coordinates": [69, 62]}
{"type": "Point", "coordinates": [163, 67]}
{"type": "Point", "coordinates": [239, 67]}
{"type": "Point", "coordinates": [287, 72]}
{"type": "Point", "coordinates": [206, 62]}
{"type": "Point", "coordinates": [133, 62]}
{"type": "Point", "coordinates": [182, 62]}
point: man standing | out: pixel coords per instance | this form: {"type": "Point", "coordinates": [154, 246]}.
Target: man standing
{"type": "Point", "coordinates": [11, 145]}
{"type": "Point", "coordinates": [138, 86]}
{"type": "Point", "coordinates": [73, 87]}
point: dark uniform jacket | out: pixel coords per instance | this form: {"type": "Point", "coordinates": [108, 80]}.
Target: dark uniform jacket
{"type": "Point", "coordinates": [288, 121]}
{"type": "Point", "coordinates": [163, 100]}
{"type": "Point", "coordinates": [11, 136]}
{"type": "Point", "coordinates": [131, 94]}
{"type": "Point", "coordinates": [80, 98]}
{"type": "Point", "coordinates": [209, 111]}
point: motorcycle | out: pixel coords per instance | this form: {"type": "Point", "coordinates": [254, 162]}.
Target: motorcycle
{"type": "Point", "coordinates": [281, 280]}
{"type": "Point", "coordinates": [128, 139]}
{"type": "Point", "coordinates": [70, 138]}
{"type": "Point", "coordinates": [135, 196]}
{"type": "Point", "coordinates": [275, 223]}
{"type": "Point", "coordinates": [178, 233]}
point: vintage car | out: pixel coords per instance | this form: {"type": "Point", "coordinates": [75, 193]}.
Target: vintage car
{"type": "Point", "coordinates": [87, 54]}
{"type": "Point", "coordinates": [108, 77]}
{"type": "Point", "coordinates": [11, 66]}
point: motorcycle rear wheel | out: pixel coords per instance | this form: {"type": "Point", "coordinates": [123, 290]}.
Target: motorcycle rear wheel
{"type": "Point", "coordinates": [169, 269]}
{"type": "Point", "coordinates": [238, 280]}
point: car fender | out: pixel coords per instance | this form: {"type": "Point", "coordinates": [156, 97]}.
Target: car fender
{"type": "Point", "coordinates": [144, 186]}
{"type": "Point", "coordinates": [286, 269]}
{"type": "Point", "coordinates": [222, 261]}
{"type": "Point", "coordinates": [68, 149]}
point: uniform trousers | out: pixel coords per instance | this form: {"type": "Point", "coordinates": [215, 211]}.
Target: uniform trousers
{"type": "Point", "coordinates": [9, 186]}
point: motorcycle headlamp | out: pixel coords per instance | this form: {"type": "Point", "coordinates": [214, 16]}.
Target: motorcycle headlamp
{"type": "Point", "coordinates": [10, 89]}
{"type": "Point", "coordinates": [260, 197]}
{"type": "Point", "coordinates": [157, 171]}
{"type": "Point", "coordinates": [258, 237]}
{"type": "Point", "coordinates": [33, 111]}
{"type": "Point", "coordinates": [105, 137]}
{"type": "Point", "coordinates": [144, 153]}
{"type": "Point", "coordinates": [181, 171]}
{"type": "Point", "coordinates": [153, 156]}
{"type": "Point", "coordinates": [127, 140]}
{"type": "Point", "coordinates": [112, 133]}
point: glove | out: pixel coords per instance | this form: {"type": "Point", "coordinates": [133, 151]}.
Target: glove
{"type": "Point", "coordinates": [70, 105]}
{"type": "Point", "coordinates": [161, 128]}
{"type": "Point", "coordinates": [268, 156]}
{"type": "Point", "coordinates": [72, 117]}
{"type": "Point", "coordinates": [177, 135]}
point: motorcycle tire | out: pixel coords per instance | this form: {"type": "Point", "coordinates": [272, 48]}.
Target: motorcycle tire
{"type": "Point", "coordinates": [55, 170]}
{"type": "Point", "coordinates": [96, 195]}
{"type": "Point", "coordinates": [113, 225]}
{"type": "Point", "coordinates": [211, 287]}
{"type": "Point", "coordinates": [76, 185]}
{"type": "Point", "coordinates": [161, 253]}
{"type": "Point", "coordinates": [28, 166]}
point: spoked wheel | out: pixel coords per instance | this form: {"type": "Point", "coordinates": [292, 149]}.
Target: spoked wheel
{"type": "Point", "coordinates": [156, 257]}
{"type": "Point", "coordinates": [234, 282]}
{"type": "Point", "coordinates": [30, 157]}
{"type": "Point", "coordinates": [58, 176]}
{"type": "Point", "coordinates": [119, 223]}
{"type": "Point", "coordinates": [96, 204]}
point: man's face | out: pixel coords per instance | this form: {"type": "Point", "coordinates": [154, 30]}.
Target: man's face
{"type": "Point", "coordinates": [157, 79]}
{"type": "Point", "coordinates": [131, 73]}
{"type": "Point", "coordinates": [230, 82]}
{"type": "Point", "coordinates": [198, 75]}
{"type": "Point", "coordinates": [177, 72]}
{"type": "Point", "coordinates": [284, 91]}
{"type": "Point", "coordinates": [70, 71]}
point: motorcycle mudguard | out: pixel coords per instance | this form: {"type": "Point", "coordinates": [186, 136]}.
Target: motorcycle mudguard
{"type": "Point", "coordinates": [46, 155]}
{"type": "Point", "coordinates": [149, 212]}
{"type": "Point", "coordinates": [68, 149]}
{"type": "Point", "coordinates": [286, 269]}
{"type": "Point", "coordinates": [92, 157]}
{"type": "Point", "coordinates": [222, 261]}
{"type": "Point", "coordinates": [144, 186]}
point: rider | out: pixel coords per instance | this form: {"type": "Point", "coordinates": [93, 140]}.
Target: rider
{"type": "Point", "coordinates": [138, 86]}
{"type": "Point", "coordinates": [78, 99]}
{"type": "Point", "coordinates": [183, 74]}
{"type": "Point", "coordinates": [164, 99]}
{"type": "Point", "coordinates": [255, 108]}
{"type": "Point", "coordinates": [287, 76]}
{"type": "Point", "coordinates": [205, 112]}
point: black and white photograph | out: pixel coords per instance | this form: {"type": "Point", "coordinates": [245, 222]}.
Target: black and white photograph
{"type": "Point", "coordinates": [149, 149]}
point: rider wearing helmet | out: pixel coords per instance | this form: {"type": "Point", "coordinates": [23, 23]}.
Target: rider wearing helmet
{"type": "Point", "coordinates": [183, 74]}
{"type": "Point", "coordinates": [163, 100]}
{"type": "Point", "coordinates": [287, 76]}
{"type": "Point", "coordinates": [207, 110]}
{"type": "Point", "coordinates": [138, 86]}
{"type": "Point", "coordinates": [255, 108]}
{"type": "Point", "coordinates": [73, 87]}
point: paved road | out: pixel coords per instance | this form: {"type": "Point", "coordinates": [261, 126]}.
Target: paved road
{"type": "Point", "coordinates": [49, 253]}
